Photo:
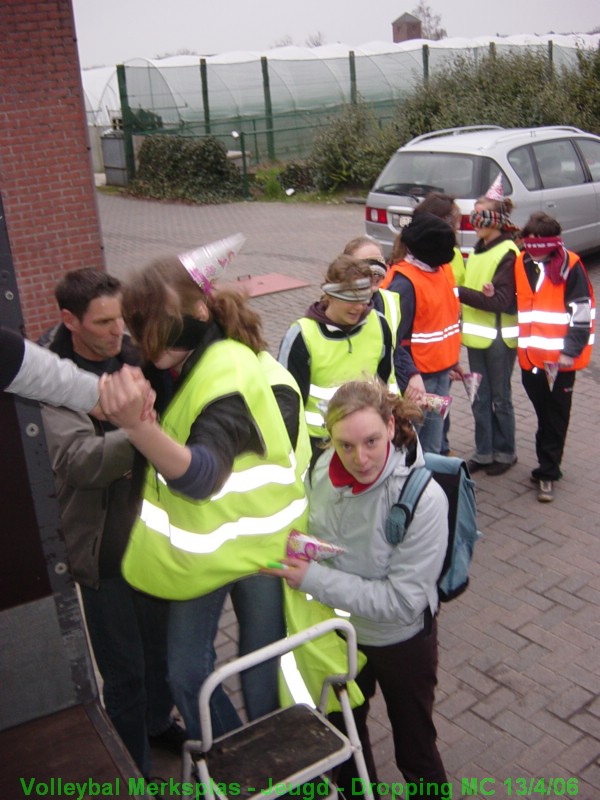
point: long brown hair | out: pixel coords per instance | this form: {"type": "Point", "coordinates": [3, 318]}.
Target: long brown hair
{"type": "Point", "coordinates": [157, 297]}
{"type": "Point", "coordinates": [358, 395]}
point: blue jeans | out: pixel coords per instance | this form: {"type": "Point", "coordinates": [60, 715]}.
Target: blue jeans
{"type": "Point", "coordinates": [431, 433]}
{"type": "Point", "coordinates": [193, 627]}
{"type": "Point", "coordinates": [128, 632]}
{"type": "Point", "coordinates": [493, 407]}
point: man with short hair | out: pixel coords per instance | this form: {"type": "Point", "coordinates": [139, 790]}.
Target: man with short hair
{"type": "Point", "coordinates": [92, 463]}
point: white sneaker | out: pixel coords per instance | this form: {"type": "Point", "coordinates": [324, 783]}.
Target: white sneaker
{"type": "Point", "coordinates": [546, 492]}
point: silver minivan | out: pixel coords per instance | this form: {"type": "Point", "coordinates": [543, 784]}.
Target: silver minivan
{"type": "Point", "coordinates": [553, 169]}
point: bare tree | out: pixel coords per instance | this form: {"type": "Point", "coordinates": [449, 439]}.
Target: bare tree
{"type": "Point", "coordinates": [315, 40]}
{"type": "Point", "coordinates": [285, 41]}
{"type": "Point", "coordinates": [430, 22]}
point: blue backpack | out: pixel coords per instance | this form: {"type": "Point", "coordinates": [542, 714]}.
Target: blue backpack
{"type": "Point", "coordinates": [453, 476]}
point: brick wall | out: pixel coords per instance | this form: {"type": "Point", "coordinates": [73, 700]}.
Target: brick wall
{"type": "Point", "coordinates": [46, 178]}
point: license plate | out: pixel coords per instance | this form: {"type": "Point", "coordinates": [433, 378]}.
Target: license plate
{"type": "Point", "coordinates": [401, 220]}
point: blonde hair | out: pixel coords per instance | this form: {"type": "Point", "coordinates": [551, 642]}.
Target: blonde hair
{"type": "Point", "coordinates": [358, 395]}
{"type": "Point", "coordinates": [358, 242]}
{"type": "Point", "coordinates": [156, 299]}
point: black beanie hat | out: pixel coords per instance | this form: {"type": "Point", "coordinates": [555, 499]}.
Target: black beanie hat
{"type": "Point", "coordinates": [429, 239]}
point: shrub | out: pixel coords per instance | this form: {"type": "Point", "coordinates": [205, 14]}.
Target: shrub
{"type": "Point", "coordinates": [352, 151]}
{"type": "Point", "coordinates": [297, 175]}
{"type": "Point", "coordinates": [514, 90]}
{"type": "Point", "coordinates": [583, 87]}
{"type": "Point", "coordinates": [178, 168]}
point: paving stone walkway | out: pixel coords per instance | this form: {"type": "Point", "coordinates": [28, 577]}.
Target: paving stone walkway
{"type": "Point", "coordinates": [518, 704]}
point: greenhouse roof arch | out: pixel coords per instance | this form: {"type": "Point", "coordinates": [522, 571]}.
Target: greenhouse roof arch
{"type": "Point", "coordinates": [299, 78]}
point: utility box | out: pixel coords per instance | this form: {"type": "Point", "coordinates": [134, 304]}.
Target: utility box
{"type": "Point", "coordinates": [113, 156]}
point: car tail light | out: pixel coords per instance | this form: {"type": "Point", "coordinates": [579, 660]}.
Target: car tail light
{"type": "Point", "coordinates": [376, 215]}
{"type": "Point", "coordinates": [465, 223]}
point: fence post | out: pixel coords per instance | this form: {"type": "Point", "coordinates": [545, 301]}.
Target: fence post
{"type": "Point", "coordinates": [255, 137]}
{"type": "Point", "coordinates": [425, 63]}
{"type": "Point", "coordinates": [127, 115]}
{"type": "Point", "coordinates": [352, 64]}
{"type": "Point", "coordinates": [493, 51]}
{"type": "Point", "coordinates": [204, 80]}
{"type": "Point", "coordinates": [550, 59]}
{"type": "Point", "coordinates": [268, 108]}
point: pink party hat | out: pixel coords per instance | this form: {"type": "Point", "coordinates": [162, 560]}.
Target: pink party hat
{"type": "Point", "coordinates": [496, 192]}
{"type": "Point", "coordinates": [207, 263]}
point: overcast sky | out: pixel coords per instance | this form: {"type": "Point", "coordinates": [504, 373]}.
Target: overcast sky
{"type": "Point", "coordinates": [113, 31]}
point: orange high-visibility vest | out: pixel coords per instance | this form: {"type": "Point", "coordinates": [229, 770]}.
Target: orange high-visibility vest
{"type": "Point", "coordinates": [435, 339]}
{"type": "Point", "coordinates": [544, 320]}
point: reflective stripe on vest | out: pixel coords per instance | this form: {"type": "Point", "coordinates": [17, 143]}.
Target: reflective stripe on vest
{"type": "Point", "coordinates": [158, 521]}
{"type": "Point", "coordinates": [507, 332]}
{"type": "Point", "coordinates": [391, 311]}
{"type": "Point", "coordinates": [435, 336]}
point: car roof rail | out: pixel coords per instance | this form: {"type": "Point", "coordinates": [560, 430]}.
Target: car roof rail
{"type": "Point", "coordinates": [455, 132]}
{"type": "Point", "coordinates": [510, 133]}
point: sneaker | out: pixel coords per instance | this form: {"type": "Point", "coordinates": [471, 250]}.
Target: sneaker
{"type": "Point", "coordinates": [171, 739]}
{"type": "Point", "coordinates": [499, 467]}
{"type": "Point", "coordinates": [475, 466]}
{"type": "Point", "coordinates": [546, 492]}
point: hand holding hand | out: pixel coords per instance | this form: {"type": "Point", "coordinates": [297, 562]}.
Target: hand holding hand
{"type": "Point", "coordinates": [126, 398]}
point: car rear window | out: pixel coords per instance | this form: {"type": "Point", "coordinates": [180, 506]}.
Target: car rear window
{"type": "Point", "coordinates": [419, 173]}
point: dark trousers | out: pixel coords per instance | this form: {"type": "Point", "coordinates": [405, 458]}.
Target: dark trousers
{"type": "Point", "coordinates": [553, 410]}
{"type": "Point", "coordinates": [128, 632]}
{"type": "Point", "coordinates": [407, 676]}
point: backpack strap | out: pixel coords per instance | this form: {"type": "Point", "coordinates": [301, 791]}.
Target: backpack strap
{"type": "Point", "coordinates": [402, 512]}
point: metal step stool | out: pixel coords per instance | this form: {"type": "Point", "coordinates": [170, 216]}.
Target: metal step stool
{"type": "Point", "coordinates": [282, 750]}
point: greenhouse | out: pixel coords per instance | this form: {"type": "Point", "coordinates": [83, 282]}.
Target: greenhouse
{"type": "Point", "coordinates": [290, 89]}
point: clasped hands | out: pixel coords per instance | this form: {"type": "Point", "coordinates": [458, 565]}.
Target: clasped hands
{"type": "Point", "coordinates": [126, 398]}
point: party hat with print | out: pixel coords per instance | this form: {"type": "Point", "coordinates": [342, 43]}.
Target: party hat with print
{"type": "Point", "coordinates": [206, 264]}
{"type": "Point", "coordinates": [496, 192]}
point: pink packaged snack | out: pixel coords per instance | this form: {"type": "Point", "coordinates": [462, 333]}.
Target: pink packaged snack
{"type": "Point", "coordinates": [301, 545]}
{"type": "Point", "coordinates": [551, 369]}
{"type": "Point", "coordinates": [471, 381]}
{"type": "Point", "coordinates": [438, 403]}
